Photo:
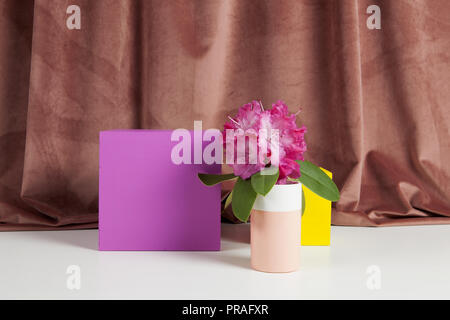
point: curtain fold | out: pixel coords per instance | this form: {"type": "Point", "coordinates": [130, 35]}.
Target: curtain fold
{"type": "Point", "coordinates": [376, 102]}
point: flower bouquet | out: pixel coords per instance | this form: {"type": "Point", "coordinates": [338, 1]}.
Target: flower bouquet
{"type": "Point", "coordinates": [265, 149]}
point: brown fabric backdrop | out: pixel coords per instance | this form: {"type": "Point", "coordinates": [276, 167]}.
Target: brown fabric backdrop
{"type": "Point", "coordinates": [376, 102]}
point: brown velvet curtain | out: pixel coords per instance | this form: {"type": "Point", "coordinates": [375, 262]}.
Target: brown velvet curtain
{"type": "Point", "coordinates": [376, 102]}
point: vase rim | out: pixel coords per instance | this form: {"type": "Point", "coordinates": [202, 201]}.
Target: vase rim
{"type": "Point", "coordinates": [287, 184]}
{"type": "Point", "coordinates": [281, 198]}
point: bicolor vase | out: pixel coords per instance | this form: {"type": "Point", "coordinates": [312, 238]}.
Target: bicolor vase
{"type": "Point", "coordinates": [275, 225]}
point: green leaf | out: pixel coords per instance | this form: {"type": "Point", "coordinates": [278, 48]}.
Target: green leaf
{"type": "Point", "coordinates": [303, 201]}
{"type": "Point", "coordinates": [243, 199]}
{"type": "Point", "coordinates": [317, 181]}
{"type": "Point", "coordinates": [213, 179]}
{"type": "Point", "coordinates": [228, 200]}
{"type": "Point", "coordinates": [263, 181]}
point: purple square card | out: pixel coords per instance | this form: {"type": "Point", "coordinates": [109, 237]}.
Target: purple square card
{"type": "Point", "coordinates": [147, 202]}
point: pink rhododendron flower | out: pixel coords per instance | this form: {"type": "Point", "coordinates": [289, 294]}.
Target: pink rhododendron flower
{"type": "Point", "coordinates": [273, 130]}
{"type": "Point", "coordinates": [245, 126]}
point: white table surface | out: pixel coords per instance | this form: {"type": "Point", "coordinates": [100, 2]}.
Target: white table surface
{"type": "Point", "coordinates": [410, 262]}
